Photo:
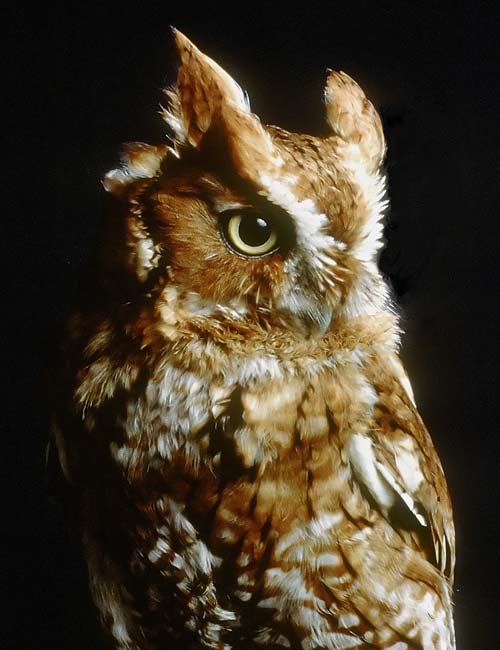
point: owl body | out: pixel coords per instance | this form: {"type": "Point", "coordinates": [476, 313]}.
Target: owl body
{"type": "Point", "coordinates": [247, 465]}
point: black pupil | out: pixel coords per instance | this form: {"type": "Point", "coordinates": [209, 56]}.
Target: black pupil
{"type": "Point", "coordinates": [254, 231]}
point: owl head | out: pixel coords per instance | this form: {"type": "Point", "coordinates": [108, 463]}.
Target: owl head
{"type": "Point", "coordinates": [251, 222]}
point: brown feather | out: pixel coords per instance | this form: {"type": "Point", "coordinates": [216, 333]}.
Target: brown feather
{"type": "Point", "coordinates": [239, 439]}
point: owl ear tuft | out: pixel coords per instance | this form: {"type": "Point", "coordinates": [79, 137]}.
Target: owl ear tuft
{"type": "Point", "coordinates": [353, 119]}
{"type": "Point", "coordinates": [205, 99]}
{"type": "Point", "coordinates": [202, 92]}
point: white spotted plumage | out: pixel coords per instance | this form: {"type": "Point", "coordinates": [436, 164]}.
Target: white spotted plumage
{"type": "Point", "coordinates": [244, 452]}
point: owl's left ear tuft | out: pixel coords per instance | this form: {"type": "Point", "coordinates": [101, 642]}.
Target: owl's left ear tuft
{"type": "Point", "coordinates": [354, 119]}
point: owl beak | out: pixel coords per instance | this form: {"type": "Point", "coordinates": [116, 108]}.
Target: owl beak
{"type": "Point", "coordinates": [309, 315]}
{"type": "Point", "coordinates": [317, 319]}
{"type": "Point", "coordinates": [323, 319]}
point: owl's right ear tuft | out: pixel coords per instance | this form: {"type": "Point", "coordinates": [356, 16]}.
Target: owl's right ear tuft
{"type": "Point", "coordinates": [202, 91]}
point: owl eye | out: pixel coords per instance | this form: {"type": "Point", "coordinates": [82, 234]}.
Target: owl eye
{"type": "Point", "coordinates": [250, 234]}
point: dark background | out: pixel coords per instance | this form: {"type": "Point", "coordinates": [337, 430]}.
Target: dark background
{"type": "Point", "coordinates": [81, 78]}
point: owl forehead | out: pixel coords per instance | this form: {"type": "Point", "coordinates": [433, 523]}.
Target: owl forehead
{"type": "Point", "coordinates": [299, 174]}
{"type": "Point", "coordinates": [309, 166]}
{"type": "Point", "coordinates": [296, 169]}
{"type": "Point", "coordinates": [334, 201]}
{"type": "Point", "coordinates": [304, 176]}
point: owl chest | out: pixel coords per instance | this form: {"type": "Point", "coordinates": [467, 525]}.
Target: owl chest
{"type": "Point", "coordinates": [263, 437]}
{"type": "Point", "coordinates": [242, 487]}
{"type": "Point", "coordinates": [248, 465]}
{"type": "Point", "coordinates": [289, 431]}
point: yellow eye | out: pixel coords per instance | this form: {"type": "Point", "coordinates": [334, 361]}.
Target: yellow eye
{"type": "Point", "coordinates": [250, 235]}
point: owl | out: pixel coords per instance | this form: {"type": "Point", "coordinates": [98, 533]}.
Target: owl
{"type": "Point", "coordinates": [239, 446]}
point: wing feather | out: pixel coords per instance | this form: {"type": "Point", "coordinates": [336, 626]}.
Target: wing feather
{"type": "Point", "coordinates": [396, 463]}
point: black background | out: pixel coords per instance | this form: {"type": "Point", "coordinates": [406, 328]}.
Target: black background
{"type": "Point", "coordinates": [81, 78]}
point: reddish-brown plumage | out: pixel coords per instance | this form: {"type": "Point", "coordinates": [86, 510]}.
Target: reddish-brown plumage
{"type": "Point", "coordinates": [248, 465]}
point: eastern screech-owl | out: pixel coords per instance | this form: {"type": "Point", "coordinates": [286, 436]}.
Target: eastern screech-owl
{"type": "Point", "coordinates": [246, 464]}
